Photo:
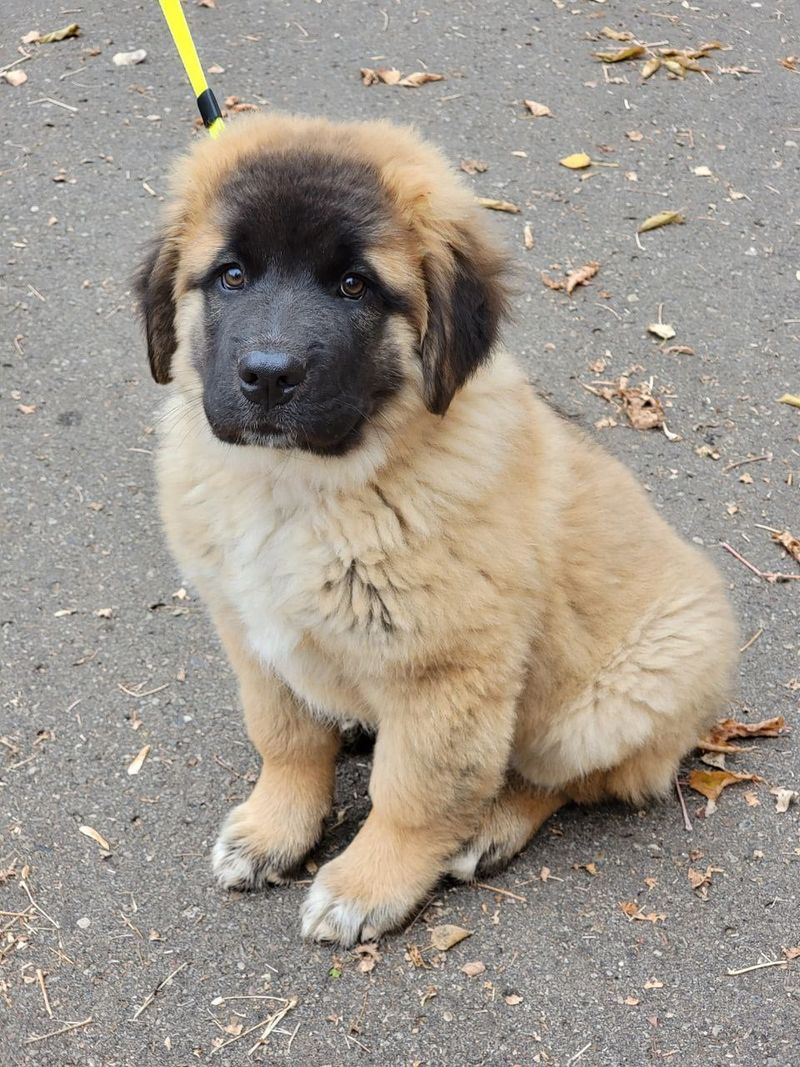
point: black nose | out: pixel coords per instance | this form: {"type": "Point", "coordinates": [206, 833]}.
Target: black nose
{"type": "Point", "coordinates": [270, 378]}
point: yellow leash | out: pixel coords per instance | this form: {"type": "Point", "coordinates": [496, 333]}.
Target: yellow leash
{"type": "Point", "coordinates": [206, 101]}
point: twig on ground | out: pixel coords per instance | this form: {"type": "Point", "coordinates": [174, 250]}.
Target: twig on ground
{"type": "Point", "coordinates": [54, 1033]}
{"type": "Point", "coordinates": [742, 462]}
{"type": "Point", "coordinates": [502, 892]}
{"type": "Point", "coordinates": [41, 911]}
{"type": "Point", "coordinates": [752, 640]}
{"type": "Point", "coordinates": [757, 967]}
{"type": "Point", "coordinates": [157, 990]}
{"type": "Point", "coordinates": [768, 576]}
{"type": "Point", "coordinates": [43, 987]}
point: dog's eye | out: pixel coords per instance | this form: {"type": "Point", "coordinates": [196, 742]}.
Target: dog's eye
{"type": "Point", "coordinates": [232, 277]}
{"type": "Point", "coordinates": [352, 286]}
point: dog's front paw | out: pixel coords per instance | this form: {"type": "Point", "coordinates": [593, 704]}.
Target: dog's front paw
{"type": "Point", "coordinates": [247, 856]}
{"type": "Point", "coordinates": [336, 911]}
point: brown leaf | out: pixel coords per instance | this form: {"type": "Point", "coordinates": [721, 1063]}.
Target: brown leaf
{"type": "Point", "coordinates": [791, 63]}
{"type": "Point", "coordinates": [752, 800]}
{"type": "Point", "coordinates": [387, 76]}
{"type": "Point", "coordinates": [792, 953]}
{"type": "Point", "coordinates": [698, 879]}
{"type": "Point", "coordinates": [422, 77]}
{"type": "Point", "coordinates": [644, 410]}
{"type": "Point", "coordinates": [538, 111]}
{"type": "Point", "coordinates": [498, 205]}
{"type": "Point", "coordinates": [445, 936]}
{"type": "Point", "coordinates": [633, 51]}
{"type": "Point", "coordinates": [711, 783]}
{"type": "Point", "coordinates": [650, 67]}
{"type": "Point", "coordinates": [552, 283]}
{"type": "Point", "coordinates": [368, 956]}
{"type": "Point", "coordinates": [474, 166]}
{"type": "Point", "coordinates": [725, 729]}
{"type": "Point", "coordinates": [789, 542]}
{"type": "Point", "coordinates": [616, 35]}
{"type": "Point", "coordinates": [581, 276]}
{"type": "Point", "coordinates": [663, 218]}
{"type": "Point", "coordinates": [527, 237]}
{"type": "Point", "coordinates": [472, 970]}
{"type": "Point", "coordinates": [235, 104]}
{"type": "Point", "coordinates": [512, 999]}
{"type": "Point", "coordinates": [633, 911]}
{"type": "Point", "coordinates": [15, 77]}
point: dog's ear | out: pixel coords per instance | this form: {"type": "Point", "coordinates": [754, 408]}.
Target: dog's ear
{"type": "Point", "coordinates": [155, 287]}
{"type": "Point", "coordinates": [467, 298]}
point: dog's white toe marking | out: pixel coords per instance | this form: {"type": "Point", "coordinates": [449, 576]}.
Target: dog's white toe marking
{"type": "Point", "coordinates": [326, 918]}
{"type": "Point", "coordinates": [238, 866]}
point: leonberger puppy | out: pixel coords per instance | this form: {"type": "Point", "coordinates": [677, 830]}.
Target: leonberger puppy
{"type": "Point", "coordinates": [388, 526]}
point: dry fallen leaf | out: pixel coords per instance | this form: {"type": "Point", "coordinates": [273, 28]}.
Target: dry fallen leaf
{"type": "Point", "coordinates": [577, 161]}
{"type": "Point", "coordinates": [472, 970]}
{"type": "Point", "coordinates": [129, 59]}
{"type": "Point", "coordinates": [446, 936]}
{"type": "Point", "coordinates": [653, 983]}
{"type": "Point", "coordinates": [474, 166]}
{"type": "Point", "coordinates": [791, 63]}
{"type": "Point", "coordinates": [527, 237]}
{"type": "Point", "coordinates": [633, 911]}
{"type": "Point", "coordinates": [644, 410]}
{"type": "Point", "coordinates": [663, 218]}
{"type": "Point", "coordinates": [784, 798]}
{"type": "Point", "coordinates": [552, 283]}
{"type": "Point", "coordinates": [634, 135]}
{"type": "Point", "coordinates": [581, 276]}
{"type": "Point", "coordinates": [498, 205]}
{"type": "Point", "coordinates": [368, 956]}
{"type": "Point", "coordinates": [752, 800]}
{"type": "Point", "coordinates": [616, 35]}
{"type": "Point", "coordinates": [633, 51]}
{"type": "Point", "coordinates": [662, 330]}
{"type": "Point", "coordinates": [512, 999]}
{"type": "Point", "coordinates": [632, 1001]}
{"type": "Point", "coordinates": [788, 542]}
{"type": "Point", "coordinates": [650, 67]}
{"type": "Point", "coordinates": [702, 172]}
{"type": "Point", "coordinates": [388, 76]}
{"type": "Point", "coordinates": [234, 104]}
{"type": "Point", "coordinates": [711, 783]}
{"type": "Point", "coordinates": [138, 761]}
{"type": "Point", "coordinates": [34, 37]}
{"type": "Point", "coordinates": [788, 398]}
{"type": "Point", "coordinates": [700, 879]}
{"type": "Point", "coordinates": [722, 731]}
{"type": "Point", "coordinates": [413, 81]}
{"type": "Point", "coordinates": [15, 77]}
{"type": "Point", "coordinates": [539, 111]}
{"type": "Point", "coordinates": [792, 953]}
{"type": "Point", "coordinates": [89, 831]}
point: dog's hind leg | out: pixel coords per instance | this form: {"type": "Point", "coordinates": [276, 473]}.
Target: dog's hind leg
{"type": "Point", "coordinates": [511, 820]}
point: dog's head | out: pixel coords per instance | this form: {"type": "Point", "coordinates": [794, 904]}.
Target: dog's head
{"type": "Point", "coordinates": [308, 273]}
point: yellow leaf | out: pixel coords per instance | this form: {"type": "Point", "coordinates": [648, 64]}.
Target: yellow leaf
{"type": "Point", "coordinates": [498, 205]}
{"type": "Point", "coordinates": [650, 67]}
{"type": "Point", "coordinates": [711, 783]}
{"type": "Point", "coordinates": [663, 218]}
{"type": "Point", "coordinates": [89, 831]}
{"type": "Point", "coordinates": [631, 52]}
{"type": "Point", "coordinates": [73, 30]}
{"type": "Point", "coordinates": [577, 161]}
{"type": "Point", "coordinates": [787, 398]}
{"type": "Point", "coordinates": [616, 35]}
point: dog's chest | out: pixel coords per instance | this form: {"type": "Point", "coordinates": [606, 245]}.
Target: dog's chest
{"type": "Point", "coordinates": [312, 586]}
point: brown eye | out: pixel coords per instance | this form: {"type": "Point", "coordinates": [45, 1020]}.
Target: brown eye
{"type": "Point", "coordinates": [352, 286]}
{"type": "Point", "coordinates": [232, 277]}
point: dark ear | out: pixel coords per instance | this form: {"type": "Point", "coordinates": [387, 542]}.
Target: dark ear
{"type": "Point", "coordinates": [155, 288]}
{"type": "Point", "coordinates": [466, 301]}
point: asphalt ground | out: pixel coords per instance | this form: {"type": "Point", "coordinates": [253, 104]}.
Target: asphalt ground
{"type": "Point", "coordinates": [106, 650]}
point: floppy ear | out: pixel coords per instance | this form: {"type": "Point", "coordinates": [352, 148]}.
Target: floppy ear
{"type": "Point", "coordinates": [466, 301]}
{"type": "Point", "coordinates": [155, 288]}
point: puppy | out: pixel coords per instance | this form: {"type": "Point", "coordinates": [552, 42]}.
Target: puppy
{"type": "Point", "coordinates": [388, 526]}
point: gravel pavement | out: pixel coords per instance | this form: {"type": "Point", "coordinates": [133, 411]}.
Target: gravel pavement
{"type": "Point", "coordinates": [105, 652]}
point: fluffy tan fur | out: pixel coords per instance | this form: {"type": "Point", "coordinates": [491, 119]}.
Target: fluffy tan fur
{"type": "Point", "coordinates": [488, 589]}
